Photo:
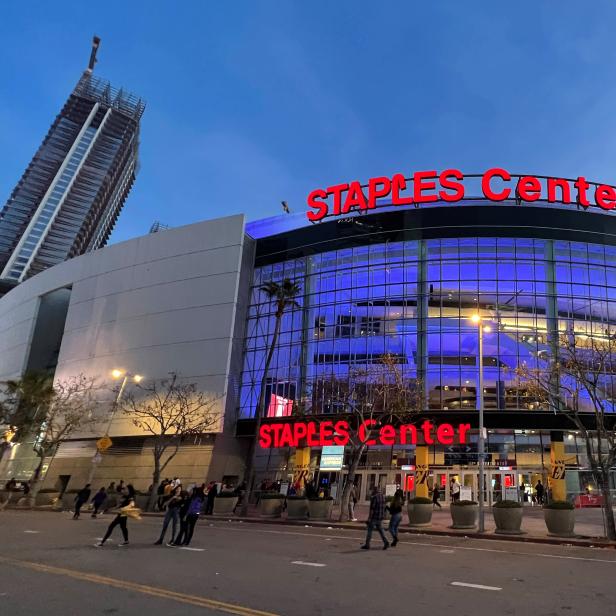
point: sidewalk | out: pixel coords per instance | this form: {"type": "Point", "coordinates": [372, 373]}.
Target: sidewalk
{"type": "Point", "coordinates": [588, 527]}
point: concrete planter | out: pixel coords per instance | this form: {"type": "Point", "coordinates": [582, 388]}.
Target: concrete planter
{"type": "Point", "coordinates": [559, 522]}
{"type": "Point", "coordinates": [420, 514]}
{"type": "Point", "coordinates": [270, 507]}
{"type": "Point", "coordinates": [224, 505]}
{"type": "Point", "coordinates": [297, 508]}
{"type": "Point", "coordinates": [464, 516]}
{"type": "Point", "coordinates": [320, 509]}
{"type": "Point", "coordinates": [508, 520]}
{"type": "Point", "coordinates": [44, 499]}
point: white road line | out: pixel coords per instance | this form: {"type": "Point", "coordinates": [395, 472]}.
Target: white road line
{"type": "Point", "coordinates": [32, 532]}
{"type": "Point", "coordinates": [194, 549]}
{"type": "Point", "coordinates": [478, 586]}
{"type": "Point", "coordinates": [301, 562]}
{"type": "Point", "coordinates": [420, 544]}
{"type": "Point", "coordinates": [446, 551]}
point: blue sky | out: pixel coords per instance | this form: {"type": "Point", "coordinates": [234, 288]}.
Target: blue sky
{"type": "Point", "coordinates": [250, 103]}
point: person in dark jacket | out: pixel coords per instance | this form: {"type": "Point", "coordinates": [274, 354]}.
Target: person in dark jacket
{"type": "Point", "coordinates": [375, 518]}
{"type": "Point", "coordinates": [182, 513]}
{"type": "Point", "coordinates": [83, 496]}
{"type": "Point", "coordinates": [192, 515]}
{"type": "Point", "coordinates": [211, 496]}
{"type": "Point", "coordinates": [97, 502]}
{"type": "Point", "coordinates": [436, 492]}
{"type": "Point", "coordinates": [395, 510]}
{"type": "Point", "coordinates": [127, 500]}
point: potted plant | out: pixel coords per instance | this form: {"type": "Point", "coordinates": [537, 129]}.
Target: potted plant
{"type": "Point", "coordinates": [297, 507]}
{"type": "Point", "coordinates": [559, 518]}
{"type": "Point", "coordinates": [419, 510]}
{"type": "Point", "coordinates": [320, 508]}
{"type": "Point", "coordinates": [507, 517]}
{"type": "Point", "coordinates": [270, 505]}
{"type": "Point", "coordinates": [225, 503]}
{"type": "Point", "coordinates": [464, 514]}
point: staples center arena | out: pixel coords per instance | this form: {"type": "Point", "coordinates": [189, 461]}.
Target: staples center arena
{"type": "Point", "coordinates": [390, 273]}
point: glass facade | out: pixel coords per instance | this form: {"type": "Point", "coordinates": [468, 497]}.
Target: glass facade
{"type": "Point", "coordinates": [413, 301]}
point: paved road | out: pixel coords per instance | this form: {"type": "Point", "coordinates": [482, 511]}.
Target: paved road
{"type": "Point", "coordinates": [48, 565]}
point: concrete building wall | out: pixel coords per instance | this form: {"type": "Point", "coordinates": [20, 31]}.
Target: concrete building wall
{"type": "Point", "coordinates": [173, 301]}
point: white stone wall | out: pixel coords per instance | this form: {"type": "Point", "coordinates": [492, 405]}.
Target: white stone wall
{"type": "Point", "coordinates": [159, 303]}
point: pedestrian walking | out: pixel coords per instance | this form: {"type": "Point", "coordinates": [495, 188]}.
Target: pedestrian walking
{"type": "Point", "coordinates": [395, 510]}
{"type": "Point", "coordinates": [375, 518]}
{"type": "Point", "coordinates": [352, 503]}
{"type": "Point", "coordinates": [172, 514]}
{"type": "Point", "coordinates": [436, 492]}
{"type": "Point", "coordinates": [212, 493]}
{"type": "Point", "coordinates": [454, 489]}
{"type": "Point", "coordinates": [195, 504]}
{"type": "Point", "coordinates": [97, 502]}
{"type": "Point", "coordinates": [539, 492]}
{"type": "Point", "coordinates": [127, 504]}
{"type": "Point", "coordinates": [83, 496]}
{"type": "Point", "coordinates": [120, 487]}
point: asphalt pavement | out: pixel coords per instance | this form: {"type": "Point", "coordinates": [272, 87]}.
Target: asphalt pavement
{"type": "Point", "coordinates": [49, 565]}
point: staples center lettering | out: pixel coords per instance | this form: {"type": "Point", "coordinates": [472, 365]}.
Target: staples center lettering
{"type": "Point", "coordinates": [326, 433]}
{"type": "Point", "coordinates": [429, 186]}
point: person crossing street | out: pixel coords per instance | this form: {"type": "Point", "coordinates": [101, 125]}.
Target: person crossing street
{"type": "Point", "coordinates": [375, 518]}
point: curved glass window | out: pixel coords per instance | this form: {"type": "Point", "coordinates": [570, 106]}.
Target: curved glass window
{"type": "Point", "coordinates": [413, 301]}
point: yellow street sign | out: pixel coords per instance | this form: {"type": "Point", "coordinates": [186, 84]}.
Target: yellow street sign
{"type": "Point", "coordinates": [103, 443]}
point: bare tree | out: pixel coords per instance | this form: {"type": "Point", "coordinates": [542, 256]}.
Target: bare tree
{"type": "Point", "coordinates": [48, 412]}
{"type": "Point", "coordinates": [172, 412]}
{"type": "Point", "coordinates": [577, 382]}
{"type": "Point", "coordinates": [381, 393]}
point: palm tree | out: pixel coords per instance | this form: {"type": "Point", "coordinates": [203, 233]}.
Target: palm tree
{"type": "Point", "coordinates": [282, 296]}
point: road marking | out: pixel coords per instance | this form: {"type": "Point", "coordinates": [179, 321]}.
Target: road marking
{"type": "Point", "coordinates": [301, 562]}
{"type": "Point", "coordinates": [212, 604]}
{"type": "Point", "coordinates": [478, 586]}
{"type": "Point", "coordinates": [32, 532]}
{"type": "Point", "coordinates": [193, 549]}
{"type": "Point", "coordinates": [446, 551]}
{"type": "Point", "coordinates": [421, 544]}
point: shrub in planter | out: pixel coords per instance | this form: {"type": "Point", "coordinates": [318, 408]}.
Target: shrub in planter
{"type": "Point", "coordinates": [270, 505]}
{"type": "Point", "coordinates": [297, 507]}
{"type": "Point", "coordinates": [320, 508]}
{"type": "Point", "coordinates": [507, 517]}
{"type": "Point", "coordinates": [225, 503]}
{"type": "Point", "coordinates": [419, 510]}
{"type": "Point", "coordinates": [559, 518]}
{"type": "Point", "coordinates": [464, 514]}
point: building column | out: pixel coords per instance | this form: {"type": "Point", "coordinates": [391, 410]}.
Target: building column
{"type": "Point", "coordinates": [301, 470]}
{"type": "Point", "coordinates": [421, 471]}
{"type": "Point", "coordinates": [423, 296]}
{"type": "Point", "coordinates": [556, 479]}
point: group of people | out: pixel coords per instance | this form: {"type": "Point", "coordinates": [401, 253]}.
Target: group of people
{"type": "Point", "coordinates": [182, 509]}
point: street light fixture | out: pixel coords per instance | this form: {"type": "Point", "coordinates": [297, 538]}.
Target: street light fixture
{"type": "Point", "coordinates": [477, 320]}
{"type": "Point", "coordinates": [105, 442]}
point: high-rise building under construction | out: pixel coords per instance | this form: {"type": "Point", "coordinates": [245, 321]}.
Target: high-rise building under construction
{"type": "Point", "coordinates": [69, 198]}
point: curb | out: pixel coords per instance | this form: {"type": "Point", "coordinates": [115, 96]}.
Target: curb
{"type": "Point", "coordinates": [591, 542]}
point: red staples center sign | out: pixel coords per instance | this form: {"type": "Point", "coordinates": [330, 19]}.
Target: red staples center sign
{"type": "Point", "coordinates": [326, 433]}
{"type": "Point", "coordinates": [448, 185]}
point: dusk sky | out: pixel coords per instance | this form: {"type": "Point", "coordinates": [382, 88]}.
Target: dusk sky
{"type": "Point", "coordinates": [250, 103]}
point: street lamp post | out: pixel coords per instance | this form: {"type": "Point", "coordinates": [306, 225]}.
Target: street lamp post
{"type": "Point", "coordinates": [116, 374]}
{"type": "Point", "coordinates": [476, 318]}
